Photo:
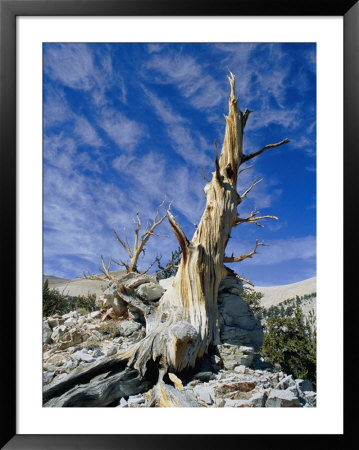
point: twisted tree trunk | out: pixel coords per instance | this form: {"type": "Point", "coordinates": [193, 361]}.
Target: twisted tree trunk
{"type": "Point", "coordinates": [185, 323]}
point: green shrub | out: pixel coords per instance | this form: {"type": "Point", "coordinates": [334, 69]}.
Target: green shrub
{"type": "Point", "coordinates": [109, 328]}
{"type": "Point", "coordinates": [291, 342]}
{"type": "Point", "coordinates": [53, 302]}
{"type": "Point", "coordinates": [171, 267]}
{"type": "Point", "coordinates": [83, 311]}
{"type": "Point", "coordinates": [252, 298]}
{"type": "Point", "coordinates": [86, 302]}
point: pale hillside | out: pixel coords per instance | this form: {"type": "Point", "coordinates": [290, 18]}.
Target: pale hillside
{"type": "Point", "coordinates": [79, 286]}
{"type": "Point", "coordinates": [273, 295]}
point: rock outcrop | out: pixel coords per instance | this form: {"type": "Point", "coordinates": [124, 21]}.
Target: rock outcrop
{"type": "Point", "coordinates": [238, 325]}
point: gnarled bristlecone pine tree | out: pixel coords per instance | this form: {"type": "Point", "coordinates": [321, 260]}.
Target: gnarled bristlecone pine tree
{"type": "Point", "coordinates": [185, 323]}
{"type": "Point", "coordinates": [184, 326]}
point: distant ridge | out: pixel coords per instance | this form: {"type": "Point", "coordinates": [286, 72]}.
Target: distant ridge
{"type": "Point", "coordinates": [54, 280]}
{"type": "Point", "coordinates": [79, 286]}
{"type": "Point", "coordinates": [273, 295]}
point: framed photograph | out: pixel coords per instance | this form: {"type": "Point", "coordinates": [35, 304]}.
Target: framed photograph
{"type": "Point", "coordinates": [110, 117]}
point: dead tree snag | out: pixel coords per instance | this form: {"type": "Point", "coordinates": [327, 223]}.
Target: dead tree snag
{"type": "Point", "coordinates": [186, 320]}
{"type": "Point", "coordinates": [140, 240]}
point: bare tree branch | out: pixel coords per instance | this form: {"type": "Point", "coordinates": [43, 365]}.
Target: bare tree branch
{"type": "Point", "coordinates": [124, 245]}
{"type": "Point", "coordinates": [121, 264]}
{"type": "Point", "coordinates": [141, 240]}
{"type": "Point", "coordinates": [218, 174]}
{"type": "Point", "coordinates": [245, 168]}
{"type": "Point", "coordinates": [149, 232]}
{"type": "Point", "coordinates": [180, 235]}
{"type": "Point", "coordinates": [105, 270]}
{"type": "Point", "coordinates": [253, 218]}
{"type": "Point", "coordinates": [231, 259]}
{"type": "Point", "coordinates": [250, 188]}
{"type": "Point", "coordinates": [252, 155]}
{"type": "Point", "coordinates": [244, 279]}
{"type": "Point", "coordinates": [157, 259]}
{"type": "Point", "coordinates": [138, 226]}
{"type": "Point", "coordinates": [89, 276]}
{"type": "Point", "coordinates": [204, 175]}
{"type": "Point", "coordinates": [245, 116]}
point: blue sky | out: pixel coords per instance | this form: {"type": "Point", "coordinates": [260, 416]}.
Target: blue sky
{"type": "Point", "coordinates": [129, 125]}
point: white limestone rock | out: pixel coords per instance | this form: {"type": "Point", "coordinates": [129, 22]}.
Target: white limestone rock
{"type": "Point", "coordinates": [229, 403]}
{"type": "Point", "coordinates": [71, 314]}
{"type": "Point", "coordinates": [132, 282]}
{"type": "Point", "coordinates": [55, 322]}
{"type": "Point", "coordinates": [70, 322]}
{"type": "Point", "coordinates": [310, 397]}
{"type": "Point", "coordinates": [94, 314]}
{"type": "Point", "coordinates": [110, 291]}
{"type": "Point", "coordinates": [135, 401]}
{"type": "Point", "coordinates": [122, 403]}
{"type": "Point", "coordinates": [70, 365]}
{"type": "Point", "coordinates": [97, 353]}
{"type": "Point", "coordinates": [58, 332]}
{"type": "Point", "coordinates": [49, 367]}
{"type": "Point", "coordinates": [240, 369]}
{"type": "Point", "coordinates": [111, 351]}
{"type": "Point", "coordinates": [46, 332]}
{"type": "Point", "coordinates": [204, 393]}
{"type": "Point", "coordinates": [258, 400]}
{"type": "Point", "coordinates": [127, 328]}
{"type": "Point", "coordinates": [234, 355]}
{"type": "Point", "coordinates": [278, 398]}
{"type": "Point", "coordinates": [81, 355]}
{"type": "Point", "coordinates": [47, 377]}
{"type": "Point", "coordinates": [150, 291]}
{"type": "Point", "coordinates": [286, 382]}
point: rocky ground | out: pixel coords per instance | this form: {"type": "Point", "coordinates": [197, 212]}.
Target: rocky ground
{"type": "Point", "coordinates": [234, 376]}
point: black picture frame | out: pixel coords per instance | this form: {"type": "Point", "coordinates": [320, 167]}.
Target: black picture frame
{"type": "Point", "coordinates": [9, 10]}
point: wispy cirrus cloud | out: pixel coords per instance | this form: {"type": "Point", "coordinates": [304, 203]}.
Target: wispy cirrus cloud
{"type": "Point", "coordinates": [84, 68]}
{"type": "Point", "coordinates": [186, 142]}
{"type": "Point", "coordinates": [56, 107]}
{"type": "Point", "coordinates": [200, 88]}
{"type": "Point", "coordinates": [71, 64]}
{"type": "Point", "coordinates": [126, 133]}
{"type": "Point", "coordinates": [57, 111]}
{"type": "Point", "coordinates": [154, 47]}
{"type": "Point", "coordinates": [86, 132]}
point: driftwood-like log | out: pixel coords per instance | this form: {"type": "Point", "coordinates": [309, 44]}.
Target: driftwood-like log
{"type": "Point", "coordinates": [82, 375]}
{"type": "Point", "coordinates": [104, 390]}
